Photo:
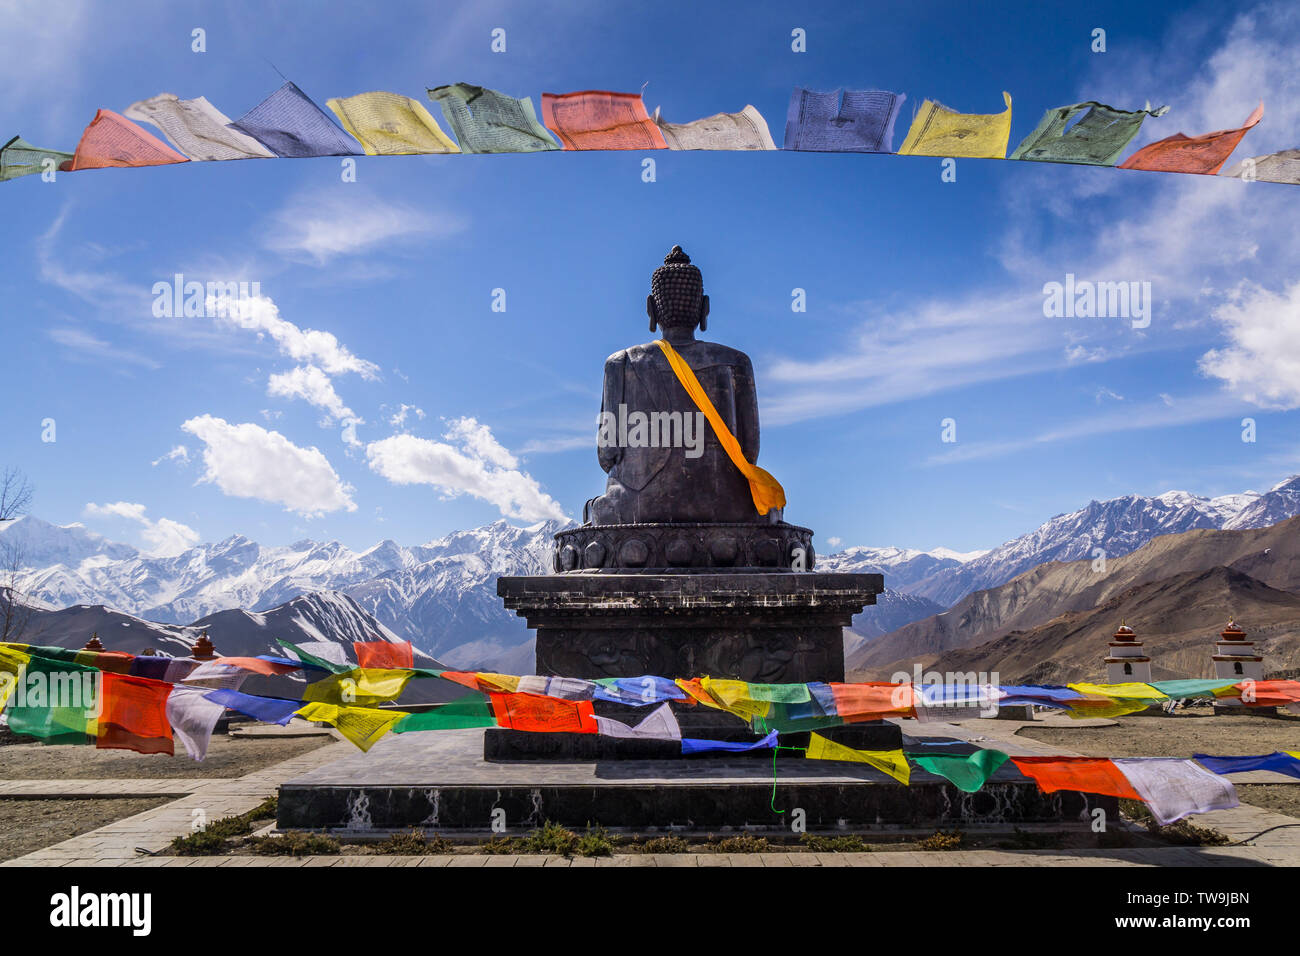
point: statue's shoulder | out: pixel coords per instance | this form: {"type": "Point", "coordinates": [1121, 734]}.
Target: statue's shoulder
{"type": "Point", "coordinates": [718, 354]}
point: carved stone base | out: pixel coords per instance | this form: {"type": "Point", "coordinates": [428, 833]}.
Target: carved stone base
{"type": "Point", "coordinates": [624, 548]}
{"type": "Point", "coordinates": [765, 628]}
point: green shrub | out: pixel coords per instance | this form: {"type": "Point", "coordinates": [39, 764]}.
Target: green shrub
{"type": "Point", "coordinates": [744, 843]}
{"type": "Point", "coordinates": [939, 840]}
{"type": "Point", "coordinates": [295, 844]}
{"type": "Point", "coordinates": [849, 843]}
{"type": "Point", "coordinates": [199, 843]}
{"type": "Point", "coordinates": [550, 839]}
{"type": "Point", "coordinates": [664, 844]}
{"type": "Point", "coordinates": [413, 843]}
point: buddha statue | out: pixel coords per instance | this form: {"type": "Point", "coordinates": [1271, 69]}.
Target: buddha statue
{"type": "Point", "coordinates": [663, 459]}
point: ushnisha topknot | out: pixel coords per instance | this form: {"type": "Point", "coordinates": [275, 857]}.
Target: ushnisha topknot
{"type": "Point", "coordinates": [677, 288]}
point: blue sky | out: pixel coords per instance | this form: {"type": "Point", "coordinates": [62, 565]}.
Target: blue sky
{"type": "Point", "coordinates": [924, 297]}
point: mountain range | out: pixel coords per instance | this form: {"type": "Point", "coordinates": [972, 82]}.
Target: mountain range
{"type": "Point", "coordinates": [442, 595]}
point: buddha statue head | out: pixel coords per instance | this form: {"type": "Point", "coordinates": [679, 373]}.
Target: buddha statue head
{"type": "Point", "coordinates": [677, 302]}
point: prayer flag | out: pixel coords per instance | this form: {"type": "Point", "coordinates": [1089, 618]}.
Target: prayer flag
{"type": "Point", "coordinates": [215, 674]}
{"type": "Point", "coordinates": [695, 688]}
{"type": "Point", "coordinates": [133, 715]}
{"type": "Point", "coordinates": [765, 490]}
{"type": "Point", "coordinates": [1204, 154]}
{"type": "Point", "coordinates": [486, 121]}
{"type": "Point", "coordinates": [1181, 689]}
{"type": "Point", "coordinates": [568, 688]}
{"type": "Point", "coordinates": [1277, 762]}
{"type": "Point", "coordinates": [1130, 691]}
{"type": "Point", "coordinates": [388, 124]}
{"type": "Point", "coordinates": [1268, 693]}
{"type": "Point", "coordinates": [58, 702]}
{"type": "Point", "coordinates": [939, 131]}
{"type": "Point", "coordinates": [113, 140]}
{"type": "Point", "coordinates": [289, 124]}
{"type": "Point", "coordinates": [967, 773]}
{"type": "Point", "coordinates": [471, 712]}
{"type": "Point", "coordinates": [732, 131]}
{"type": "Point", "coordinates": [193, 717]}
{"type": "Point", "coordinates": [199, 130]}
{"type": "Point", "coordinates": [637, 691]}
{"type": "Point", "coordinates": [862, 123]}
{"type": "Point", "coordinates": [1082, 774]}
{"type": "Point", "coordinates": [660, 724]}
{"type": "Point", "coordinates": [1173, 788]}
{"type": "Point", "coordinates": [1109, 707]}
{"type": "Point", "coordinates": [154, 668]}
{"type": "Point", "coordinates": [691, 745]}
{"type": "Point", "coordinates": [20, 158]}
{"type": "Point", "coordinates": [543, 714]}
{"type": "Point", "coordinates": [872, 700]}
{"type": "Point", "coordinates": [1097, 139]}
{"type": "Point", "coordinates": [361, 685]}
{"type": "Point", "coordinates": [269, 710]}
{"type": "Point", "coordinates": [12, 662]}
{"type": "Point", "coordinates": [323, 655]}
{"type": "Point", "coordinates": [1280, 167]}
{"type": "Point", "coordinates": [364, 726]}
{"type": "Point", "coordinates": [891, 762]}
{"type": "Point", "coordinates": [599, 119]}
{"type": "Point", "coordinates": [795, 718]}
{"type": "Point", "coordinates": [384, 654]}
{"type": "Point", "coordinates": [735, 697]}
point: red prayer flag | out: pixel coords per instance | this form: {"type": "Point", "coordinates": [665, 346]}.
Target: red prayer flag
{"type": "Point", "coordinates": [599, 119]}
{"type": "Point", "coordinates": [133, 715]}
{"type": "Point", "coordinates": [1268, 693]}
{"type": "Point", "coordinates": [534, 712]}
{"type": "Point", "coordinates": [113, 140]}
{"type": "Point", "coordinates": [872, 700]}
{"type": "Point", "coordinates": [1203, 154]}
{"type": "Point", "coordinates": [384, 654]}
{"type": "Point", "coordinates": [1084, 774]}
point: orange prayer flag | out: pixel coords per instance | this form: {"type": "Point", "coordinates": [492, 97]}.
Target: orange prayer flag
{"type": "Point", "coordinates": [113, 140]}
{"type": "Point", "coordinates": [539, 714]}
{"type": "Point", "coordinates": [1268, 693]}
{"type": "Point", "coordinates": [1203, 154]}
{"type": "Point", "coordinates": [384, 654]}
{"type": "Point", "coordinates": [599, 119]}
{"type": "Point", "coordinates": [1084, 774]}
{"type": "Point", "coordinates": [133, 715]}
{"type": "Point", "coordinates": [257, 665]}
{"type": "Point", "coordinates": [872, 701]}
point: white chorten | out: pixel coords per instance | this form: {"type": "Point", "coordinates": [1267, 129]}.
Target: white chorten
{"type": "Point", "coordinates": [1235, 657]}
{"type": "Point", "coordinates": [1126, 662]}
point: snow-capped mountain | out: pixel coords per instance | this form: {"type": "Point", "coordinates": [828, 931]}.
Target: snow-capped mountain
{"type": "Point", "coordinates": [902, 567]}
{"type": "Point", "coordinates": [1116, 527]}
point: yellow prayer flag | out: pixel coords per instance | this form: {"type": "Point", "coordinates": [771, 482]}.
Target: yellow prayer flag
{"type": "Point", "coordinates": [1132, 690]}
{"type": "Point", "coordinates": [735, 697]}
{"type": "Point", "coordinates": [1293, 753]}
{"type": "Point", "coordinates": [361, 725]}
{"type": "Point", "coordinates": [891, 762]}
{"type": "Point", "coordinates": [361, 685]}
{"type": "Point", "coordinates": [939, 131]}
{"type": "Point", "coordinates": [1104, 707]}
{"type": "Point", "coordinates": [695, 688]}
{"type": "Point", "coordinates": [12, 662]}
{"type": "Point", "coordinates": [389, 124]}
{"type": "Point", "coordinates": [501, 683]}
{"type": "Point", "coordinates": [765, 490]}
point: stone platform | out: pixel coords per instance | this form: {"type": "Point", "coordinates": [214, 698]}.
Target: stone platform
{"type": "Point", "coordinates": [440, 782]}
{"type": "Point", "coordinates": [766, 627]}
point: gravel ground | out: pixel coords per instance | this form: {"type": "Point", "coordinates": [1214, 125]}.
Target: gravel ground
{"type": "Point", "coordinates": [1278, 797]}
{"type": "Point", "coordinates": [227, 757]}
{"type": "Point", "coordinates": [1179, 736]}
{"type": "Point", "coordinates": [30, 825]}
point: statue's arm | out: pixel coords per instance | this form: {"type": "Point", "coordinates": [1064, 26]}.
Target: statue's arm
{"type": "Point", "coordinates": [610, 453]}
{"type": "Point", "coordinates": [747, 410]}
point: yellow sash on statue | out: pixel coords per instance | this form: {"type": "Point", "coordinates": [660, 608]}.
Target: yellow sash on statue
{"type": "Point", "coordinates": [766, 490]}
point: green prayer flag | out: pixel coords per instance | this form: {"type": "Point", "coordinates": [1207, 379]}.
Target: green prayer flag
{"type": "Point", "coordinates": [56, 702]}
{"type": "Point", "coordinates": [20, 158]}
{"type": "Point", "coordinates": [780, 693]}
{"type": "Point", "coordinates": [1190, 688]}
{"type": "Point", "coordinates": [779, 719]}
{"type": "Point", "coordinates": [486, 121]}
{"type": "Point", "coordinates": [458, 714]}
{"type": "Point", "coordinates": [314, 660]}
{"type": "Point", "coordinates": [967, 773]}
{"type": "Point", "coordinates": [1095, 140]}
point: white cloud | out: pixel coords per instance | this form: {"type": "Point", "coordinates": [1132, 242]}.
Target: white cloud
{"type": "Point", "coordinates": [88, 347]}
{"type": "Point", "coordinates": [248, 461]}
{"type": "Point", "coordinates": [325, 224]}
{"type": "Point", "coordinates": [314, 386]}
{"type": "Point", "coordinates": [179, 453]}
{"type": "Point", "coordinates": [1103, 393]}
{"type": "Point", "coordinates": [399, 417]}
{"type": "Point", "coordinates": [163, 537]}
{"type": "Point", "coordinates": [481, 467]}
{"type": "Point", "coordinates": [1261, 363]}
{"type": "Point", "coordinates": [834, 542]}
{"type": "Point", "coordinates": [313, 346]}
